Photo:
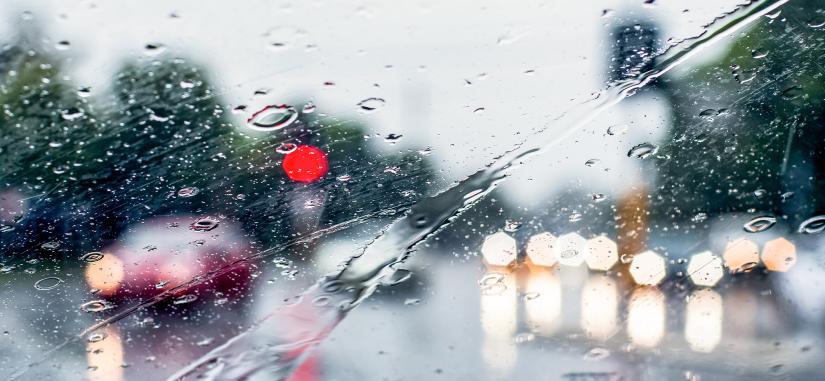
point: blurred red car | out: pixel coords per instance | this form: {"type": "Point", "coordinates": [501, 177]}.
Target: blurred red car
{"type": "Point", "coordinates": [165, 252]}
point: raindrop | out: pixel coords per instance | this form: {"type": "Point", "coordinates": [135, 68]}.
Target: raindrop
{"type": "Point", "coordinates": [699, 217]}
{"type": "Point", "coordinates": [55, 144]}
{"type": "Point", "coordinates": [756, 53]}
{"type": "Point", "coordinates": [308, 108]}
{"type": "Point", "coordinates": [643, 150]}
{"type": "Point", "coordinates": [491, 279]}
{"type": "Point", "coordinates": [321, 300]}
{"type": "Point", "coordinates": [71, 113]}
{"type": "Point", "coordinates": [187, 192]}
{"type": "Point", "coordinates": [524, 337]}
{"type": "Point", "coordinates": [745, 267]}
{"type": "Point", "coordinates": [93, 256]}
{"type": "Point", "coordinates": [272, 117]}
{"type": "Point", "coordinates": [813, 225]}
{"type": "Point", "coordinates": [773, 15]}
{"type": "Point", "coordinates": [412, 302]}
{"type": "Point", "coordinates": [371, 105]}
{"type": "Point", "coordinates": [393, 138]}
{"type": "Point", "coordinates": [95, 337]}
{"type": "Point", "coordinates": [344, 178]}
{"type": "Point", "coordinates": [154, 49]}
{"type": "Point", "coordinates": [617, 129]}
{"type": "Point", "coordinates": [531, 296]}
{"type": "Point", "coordinates": [49, 283]}
{"type": "Point", "coordinates": [184, 299]}
{"type": "Point", "coordinates": [816, 23]}
{"type": "Point", "coordinates": [204, 224]}
{"type": "Point", "coordinates": [575, 217]}
{"type": "Point", "coordinates": [759, 224]}
{"type": "Point", "coordinates": [786, 196]}
{"type": "Point", "coordinates": [569, 254]}
{"type": "Point", "coordinates": [285, 148]}
{"type": "Point", "coordinates": [51, 245]}
{"type": "Point", "coordinates": [84, 92]}
{"type": "Point", "coordinates": [596, 354]}
{"type": "Point", "coordinates": [511, 226]}
{"type": "Point", "coordinates": [96, 306]}
{"type": "Point", "coordinates": [479, 110]}
{"type": "Point", "coordinates": [63, 45]}
{"type": "Point", "coordinates": [399, 276]}
{"type": "Point", "coordinates": [598, 197]}
{"type": "Point", "coordinates": [592, 162]}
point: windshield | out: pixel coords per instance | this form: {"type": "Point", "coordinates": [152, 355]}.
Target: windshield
{"type": "Point", "coordinates": [628, 190]}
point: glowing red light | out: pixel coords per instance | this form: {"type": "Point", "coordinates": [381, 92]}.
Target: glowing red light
{"type": "Point", "coordinates": [306, 164]}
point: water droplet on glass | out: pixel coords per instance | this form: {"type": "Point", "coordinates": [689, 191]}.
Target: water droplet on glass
{"type": "Point", "coordinates": [154, 49]}
{"type": "Point", "coordinates": [399, 276]}
{"type": "Point", "coordinates": [204, 224]}
{"type": "Point", "coordinates": [184, 299]}
{"type": "Point", "coordinates": [524, 337]}
{"type": "Point", "coordinates": [699, 217]}
{"type": "Point", "coordinates": [773, 15]}
{"type": "Point", "coordinates": [49, 283]}
{"type": "Point", "coordinates": [816, 22]}
{"type": "Point", "coordinates": [84, 92]}
{"type": "Point", "coordinates": [813, 225]}
{"type": "Point", "coordinates": [479, 110]}
{"type": "Point", "coordinates": [759, 224]}
{"type": "Point", "coordinates": [575, 217]}
{"type": "Point", "coordinates": [187, 192]}
{"type": "Point", "coordinates": [598, 197]}
{"type": "Point", "coordinates": [93, 256]}
{"type": "Point", "coordinates": [308, 108]}
{"type": "Point", "coordinates": [617, 129]}
{"type": "Point", "coordinates": [756, 53]}
{"type": "Point", "coordinates": [344, 178]}
{"type": "Point", "coordinates": [71, 113]}
{"type": "Point", "coordinates": [96, 336]}
{"type": "Point", "coordinates": [412, 302]}
{"type": "Point", "coordinates": [63, 45]}
{"type": "Point", "coordinates": [285, 148]}
{"type": "Point", "coordinates": [643, 150]}
{"type": "Point", "coordinates": [51, 245]}
{"type": "Point", "coordinates": [511, 226]}
{"type": "Point", "coordinates": [393, 138]}
{"type": "Point", "coordinates": [592, 162]}
{"type": "Point", "coordinates": [596, 354]}
{"type": "Point", "coordinates": [272, 117]}
{"type": "Point", "coordinates": [96, 306]}
{"type": "Point", "coordinates": [371, 105]}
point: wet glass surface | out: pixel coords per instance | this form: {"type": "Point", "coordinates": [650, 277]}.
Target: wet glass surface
{"type": "Point", "coordinates": [347, 191]}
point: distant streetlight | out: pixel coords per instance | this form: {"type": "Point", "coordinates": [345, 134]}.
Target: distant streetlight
{"type": "Point", "coordinates": [741, 255]}
{"type": "Point", "coordinates": [570, 249]}
{"type": "Point", "coordinates": [705, 269]}
{"type": "Point", "coordinates": [541, 249]}
{"type": "Point", "coordinates": [648, 268]}
{"type": "Point", "coordinates": [499, 249]}
{"type": "Point", "coordinates": [779, 254]}
{"type": "Point", "coordinates": [602, 253]}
